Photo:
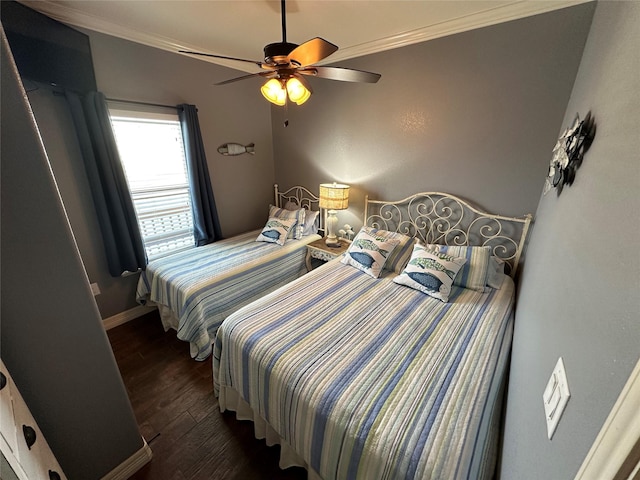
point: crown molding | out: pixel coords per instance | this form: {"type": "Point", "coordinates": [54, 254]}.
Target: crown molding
{"type": "Point", "coordinates": [508, 11]}
{"type": "Point", "coordinates": [493, 16]}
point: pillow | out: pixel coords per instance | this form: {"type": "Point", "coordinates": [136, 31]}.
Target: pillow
{"type": "Point", "coordinates": [369, 252]}
{"type": "Point", "coordinates": [496, 272]}
{"type": "Point", "coordinates": [475, 274]}
{"type": "Point", "coordinates": [276, 230]}
{"type": "Point", "coordinates": [310, 218]}
{"type": "Point", "coordinates": [401, 254]}
{"type": "Point", "coordinates": [430, 272]}
{"type": "Point", "coordinates": [310, 222]}
{"type": "Point", "coordinates": [283, 213]}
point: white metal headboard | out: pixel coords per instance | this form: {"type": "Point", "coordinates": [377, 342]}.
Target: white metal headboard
{"type": "Point", "coordinates": [435, 217]}
{"type": "Point", "coordinates": [301, 196]}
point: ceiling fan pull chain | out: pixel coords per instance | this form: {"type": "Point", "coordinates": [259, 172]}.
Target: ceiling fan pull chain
{"type": "Point", "coordinates": [286, 112]}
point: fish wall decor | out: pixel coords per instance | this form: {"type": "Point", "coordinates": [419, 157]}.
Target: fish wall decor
{"type": "Point", "coordinates": [236, 149]}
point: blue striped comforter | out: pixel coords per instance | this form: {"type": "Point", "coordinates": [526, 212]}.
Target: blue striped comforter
{"type": "Point", "coordinates": [368, 379]}
{"type": "Point", "coordinates": [197, 289]}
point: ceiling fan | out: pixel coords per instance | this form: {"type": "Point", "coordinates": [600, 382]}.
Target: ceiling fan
{"type": "Point", "coordinates": [286, 64]}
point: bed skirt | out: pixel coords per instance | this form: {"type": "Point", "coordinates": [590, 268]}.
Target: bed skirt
{"type": "Point", "coordinates": [229, 399]}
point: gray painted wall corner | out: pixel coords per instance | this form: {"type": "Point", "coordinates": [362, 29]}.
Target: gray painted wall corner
{"type": "Point", "coordinates": [52, 338]}
{"type": "Point", "coordinates": [579, 288]}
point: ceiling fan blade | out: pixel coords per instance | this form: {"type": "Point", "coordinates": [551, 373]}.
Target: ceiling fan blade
{"type": "Point", "coordinates": [312, 51]}
{"type": "Point", "coordinates": [341, 74]}
{"type": "Point", "coordinates": [251, 75]}
{"type": "Point", "coordinates": [255, 62]}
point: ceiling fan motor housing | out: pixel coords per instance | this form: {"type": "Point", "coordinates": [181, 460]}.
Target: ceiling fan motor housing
{"type": "Point", "coordinates": [277, 53]}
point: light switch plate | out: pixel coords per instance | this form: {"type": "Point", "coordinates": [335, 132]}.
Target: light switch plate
{"type": "Point", "coordinates": [95, 289]}
{"type": "Point", "coordinates": [555, 397]}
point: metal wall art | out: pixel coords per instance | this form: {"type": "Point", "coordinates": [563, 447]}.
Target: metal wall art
{"type": "Point", "coordinates": [568, 153]}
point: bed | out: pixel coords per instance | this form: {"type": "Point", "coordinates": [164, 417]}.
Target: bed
{"type": "Point", "coordinates": [358, 376]}
{"type": "Point", "coordinates": [195, 290]}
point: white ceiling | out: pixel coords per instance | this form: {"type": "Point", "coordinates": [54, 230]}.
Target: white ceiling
{"type": "Point", "coordinates": [241, 28]}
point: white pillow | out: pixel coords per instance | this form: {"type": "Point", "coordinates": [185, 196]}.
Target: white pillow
{"type": "Point", "coordinates": [496, 272]}
{"type": "Point", "coordinates": [369, 252]}
{"type": "Point", "coordinates": [430, 272]}
{"type": "Point", "coordinates": [310, 222]}
{"type": "Point", "coordinates": [276, 230]}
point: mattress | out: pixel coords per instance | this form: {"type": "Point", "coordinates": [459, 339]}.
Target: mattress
{"type": "Point", "coordinates": [359, 377]}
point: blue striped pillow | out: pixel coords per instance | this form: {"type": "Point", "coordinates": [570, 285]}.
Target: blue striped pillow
{"type": "Point", "coordinates": [475, 273]}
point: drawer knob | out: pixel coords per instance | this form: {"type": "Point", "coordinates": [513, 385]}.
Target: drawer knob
{"type": "Point", "coordinates": [29, 435]}
{"type": "Point", "coordinates": [54, 475]}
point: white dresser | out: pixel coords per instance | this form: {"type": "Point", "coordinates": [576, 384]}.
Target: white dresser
{"type": "Point", "coordinates": [21, 441]}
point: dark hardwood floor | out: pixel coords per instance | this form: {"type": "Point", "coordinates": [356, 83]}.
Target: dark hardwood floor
{"type": "Point", "coordinates": [178, 415]}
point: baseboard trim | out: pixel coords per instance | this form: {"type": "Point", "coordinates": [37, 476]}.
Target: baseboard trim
{"type": "Point", "coordinates": [126, 316]}
{"type": "Point", "coordinates": [132, 464]}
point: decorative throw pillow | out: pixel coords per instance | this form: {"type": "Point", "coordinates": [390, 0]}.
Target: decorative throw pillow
{"type": "Point", "coordinates": [283, 213]}
{"type": "Point", "coordinates": [430, 272]}
{"type": "Point", "coordinates": [276, 230]}
{"type": "Point", "coordinates": [369, 252]}
{"type": "Point", "coordinates": [401, 254]}
{"type": "Point", "coordinates": [475, 273]}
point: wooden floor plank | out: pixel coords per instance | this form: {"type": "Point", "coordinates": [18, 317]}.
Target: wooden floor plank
{"type": "Point", "coordinates": [177, 413]}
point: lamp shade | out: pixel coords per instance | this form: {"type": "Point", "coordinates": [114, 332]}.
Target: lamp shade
{"type": "Point", "coordinates": [298, 90]}
{"type": "Point", "coordinates": [278, 90]}
{"type": "Point", "coordinates": [274, 91]}
{"type": "Point", "coordinates": [334, 196]}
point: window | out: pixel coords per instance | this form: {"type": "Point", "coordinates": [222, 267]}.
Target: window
{"type": "Point", "coordinates": [152, 153]}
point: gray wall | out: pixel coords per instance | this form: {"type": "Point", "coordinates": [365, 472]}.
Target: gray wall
{"type": "Point", "coordinates": [242, 185]}
{"type": "Point", "coordinates": [579, 288]}
{"type": "Point", "coordinates": [53, 341]}
{"type": "Point", "coordinates": [474, 114]}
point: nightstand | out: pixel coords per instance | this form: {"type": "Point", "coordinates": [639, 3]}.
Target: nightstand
{"type": "Point", "coordinates": [321, 251]}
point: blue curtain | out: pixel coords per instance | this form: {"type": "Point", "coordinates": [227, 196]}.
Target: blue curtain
{"type": "Point", "coordinates": [111, 196]}
{"type": "Point", "coordinates": [206, 224]}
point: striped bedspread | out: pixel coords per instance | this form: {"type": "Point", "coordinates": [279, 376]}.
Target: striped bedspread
{"type": "Point", "coordinates": [368, 379]}
{"type": "Point", "coordinates": [196, 289]}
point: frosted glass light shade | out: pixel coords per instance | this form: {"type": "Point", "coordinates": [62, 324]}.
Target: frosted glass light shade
{"type": "Point", "coordinates": [298, 91]}
{"type": "Point", "coordinates": [274, 91]}
{"type": "Point", "coordinates": [334, 196]}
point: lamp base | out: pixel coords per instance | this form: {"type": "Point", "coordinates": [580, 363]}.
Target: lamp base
{"type": "Point", "coordinates": [332, 221]}
{"type": "Point", "coordinates": [332, 242]}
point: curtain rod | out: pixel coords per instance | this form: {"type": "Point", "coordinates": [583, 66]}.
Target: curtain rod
{"type": "Point", "coordinates": [134, 102]}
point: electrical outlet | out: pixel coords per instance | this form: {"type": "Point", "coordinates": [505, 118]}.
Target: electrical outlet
{"type": "Point", "coordinates": [555, 397]}
{"type": "Point", "coordinates": [95, 289]}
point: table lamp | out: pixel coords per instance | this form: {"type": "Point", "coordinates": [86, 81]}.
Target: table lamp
{"type": "Point", "coordinates": [333, 196]}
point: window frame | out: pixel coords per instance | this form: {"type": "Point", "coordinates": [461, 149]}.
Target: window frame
{"type": "Point", "coordinates": [165, 226]}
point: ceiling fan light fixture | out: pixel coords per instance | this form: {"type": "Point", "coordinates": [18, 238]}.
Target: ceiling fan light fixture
{"type": "Point", "coordinates": [275, 92]}
{"type": "Point", "coordinates": [298, 91]}
{"type": "Point", "coordinates": [287, 62]}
